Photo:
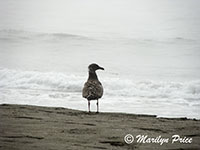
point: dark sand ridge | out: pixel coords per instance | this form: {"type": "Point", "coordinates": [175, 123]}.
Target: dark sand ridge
{"type": "Point", "coordinates": [24, 127]}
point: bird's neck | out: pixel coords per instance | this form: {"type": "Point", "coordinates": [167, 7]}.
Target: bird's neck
{"type": "Point", "coordinates": [92, 76]}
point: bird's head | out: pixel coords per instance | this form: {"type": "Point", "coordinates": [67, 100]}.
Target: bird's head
{"type": "Point", "coordinates": [93, 67]}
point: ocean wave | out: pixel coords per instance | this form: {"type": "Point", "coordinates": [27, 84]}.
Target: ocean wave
{"type": "Point", "coordinates": [15, 35]}
{"type": "Point", "coordinates": [26, 35]}
{"type": "Point", "coordinates": [114, 87]}
{"type": "Point", "coordinates": [39, 80]}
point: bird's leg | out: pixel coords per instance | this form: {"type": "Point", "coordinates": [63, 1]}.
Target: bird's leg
{"type": "Point", "coordinates": [97, 106]}
{"type": "Point", "coordinates": [89, 106]}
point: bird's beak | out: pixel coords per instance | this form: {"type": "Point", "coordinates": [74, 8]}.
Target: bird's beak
{"type": "Point", "coordinates": [101, 68]}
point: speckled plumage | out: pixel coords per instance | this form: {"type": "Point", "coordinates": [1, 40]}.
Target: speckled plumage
{"type": "Point", "coordinates": [93, 89]}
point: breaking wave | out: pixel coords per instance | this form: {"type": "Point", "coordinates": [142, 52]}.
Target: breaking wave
{"type": "Point", "coordinates": [14, 79]}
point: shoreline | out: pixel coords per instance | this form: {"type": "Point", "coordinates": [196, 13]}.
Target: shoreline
{"type": "Point", "coordinates": [38, 127]}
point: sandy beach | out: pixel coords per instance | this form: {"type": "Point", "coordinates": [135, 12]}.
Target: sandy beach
{"type": "Point", "coordinates": [25, 127]}
{"type": "Point", "coordinates": [148, 52]}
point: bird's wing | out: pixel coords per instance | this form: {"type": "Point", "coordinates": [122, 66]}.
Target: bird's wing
{"type": "Point", "coordinates": [100, 90]}
{"type": "Point", "coordinates": [92, 90]}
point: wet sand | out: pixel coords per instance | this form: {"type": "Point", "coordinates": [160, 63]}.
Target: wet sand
{"type": "Point", "coordinates": [24, 127]}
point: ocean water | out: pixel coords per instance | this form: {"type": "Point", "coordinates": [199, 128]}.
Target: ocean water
{"type": "Point", "coordinates": [150, 50]}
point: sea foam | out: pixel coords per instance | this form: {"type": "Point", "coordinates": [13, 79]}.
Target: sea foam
{"type": "Point", "coordinates": [113, 87]}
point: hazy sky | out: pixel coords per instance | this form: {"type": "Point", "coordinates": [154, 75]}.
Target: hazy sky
{"type": "Point", "coordinates": [149, 18]}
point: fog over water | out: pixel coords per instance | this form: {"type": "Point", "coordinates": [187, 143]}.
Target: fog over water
{"type": "Point", "coordinates": [150, 50]}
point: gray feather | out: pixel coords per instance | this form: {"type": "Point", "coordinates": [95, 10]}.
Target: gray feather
{"type": "Point", "coordinates": [92, 90]}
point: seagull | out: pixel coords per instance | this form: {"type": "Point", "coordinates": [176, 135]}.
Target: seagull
{"type": "Point", "coordinates": [93, 89]}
